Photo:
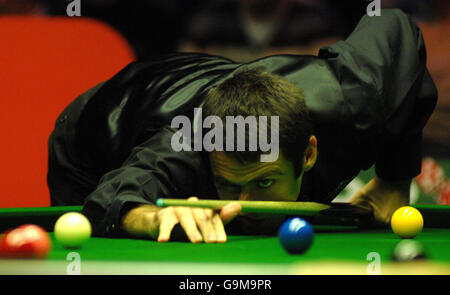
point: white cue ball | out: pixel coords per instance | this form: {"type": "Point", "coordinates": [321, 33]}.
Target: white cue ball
{"type": "Point", "coordinates": [72, 230]}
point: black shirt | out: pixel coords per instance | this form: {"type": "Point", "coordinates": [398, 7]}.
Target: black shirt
{"type": "Point", "coordinates": [369, 97]}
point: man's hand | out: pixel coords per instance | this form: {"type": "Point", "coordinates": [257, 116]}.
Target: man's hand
{"type": "Point", "coordinates": [199, 224]}
{"type": "Point", "coordinates": [383, 197]}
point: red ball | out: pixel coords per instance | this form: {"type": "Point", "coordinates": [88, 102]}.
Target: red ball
{"type": "Point", "coordinates": [26, 241]}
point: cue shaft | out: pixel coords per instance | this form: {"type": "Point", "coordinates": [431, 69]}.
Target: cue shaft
{"type": "Point", "coordinates": [272, 207]}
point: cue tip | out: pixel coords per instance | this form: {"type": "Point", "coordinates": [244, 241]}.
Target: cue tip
{"type": "Point", "coordinates": [160, 202]}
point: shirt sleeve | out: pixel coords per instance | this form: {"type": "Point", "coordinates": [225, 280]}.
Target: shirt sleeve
{"type": "Point", "coordinates": [388, 90]}
{"type": "Point", "coordinates": [153, 170]}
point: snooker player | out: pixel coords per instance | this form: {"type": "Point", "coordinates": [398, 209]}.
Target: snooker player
{"type": "Point", "coordinates": [361, 102]}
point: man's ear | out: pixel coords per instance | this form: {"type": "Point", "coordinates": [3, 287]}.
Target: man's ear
{"type": "Point", "coordinates": [310, 155]}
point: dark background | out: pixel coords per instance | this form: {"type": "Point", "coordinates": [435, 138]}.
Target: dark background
{"type": "Point", "coordinates": [248, 29]}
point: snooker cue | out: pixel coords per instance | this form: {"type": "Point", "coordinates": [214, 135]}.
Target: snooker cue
{"type": "Point", "coordinates": [277, 207]}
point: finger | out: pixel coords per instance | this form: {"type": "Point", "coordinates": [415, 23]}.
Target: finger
{"type": "Point", "coordinates": [168, 220]}
{"type": "Point", "coordinates": [188, 223]}
{"type": "Point", "coordinates": [203, 218]}
{"type": "Point", "coordinates": [230, 211]}
{"type": "Point", "coordinates": [221, 235]}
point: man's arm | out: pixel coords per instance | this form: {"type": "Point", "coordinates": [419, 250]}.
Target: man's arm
{"type": "Point", "coordinates": [388, 90]}
{"type": "Point", "coordinates": [383, 197]}
{"type": "Point", "coordinates": [153, 170]}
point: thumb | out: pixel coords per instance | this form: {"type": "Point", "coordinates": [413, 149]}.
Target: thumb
{"type": "Point", "coordinates": [230, 211]}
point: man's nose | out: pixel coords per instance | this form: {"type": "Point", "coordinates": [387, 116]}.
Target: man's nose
{"type": "Point", "coordinates": [244, 196]}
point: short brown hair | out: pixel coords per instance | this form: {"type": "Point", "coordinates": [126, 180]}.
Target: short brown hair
{"type": "Point", "coordinates": [258, 93]}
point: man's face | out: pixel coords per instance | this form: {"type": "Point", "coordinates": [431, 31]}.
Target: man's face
{"type": "Point", "coordinates": [255, 181]}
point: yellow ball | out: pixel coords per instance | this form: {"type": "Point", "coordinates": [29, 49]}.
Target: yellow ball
{"type": "Point", "coordinates": [407, 222]}
{"type": "Point", "coordinates": [72, 230]}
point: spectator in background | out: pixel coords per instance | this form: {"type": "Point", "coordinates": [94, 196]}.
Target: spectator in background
{"type": "Point", "coordinates": [22, 7]}
{"type": "Point", "coordinates": [435, 25]}
{"type": "Point", "coordinates": [248, 29]}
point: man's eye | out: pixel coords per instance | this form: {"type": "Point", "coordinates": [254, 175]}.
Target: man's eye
{"type": "Point", "coordinates": [265, 183]}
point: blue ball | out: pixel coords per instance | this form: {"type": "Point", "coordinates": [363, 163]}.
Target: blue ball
{"type": "Point", "coordinates": [296, 235]}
